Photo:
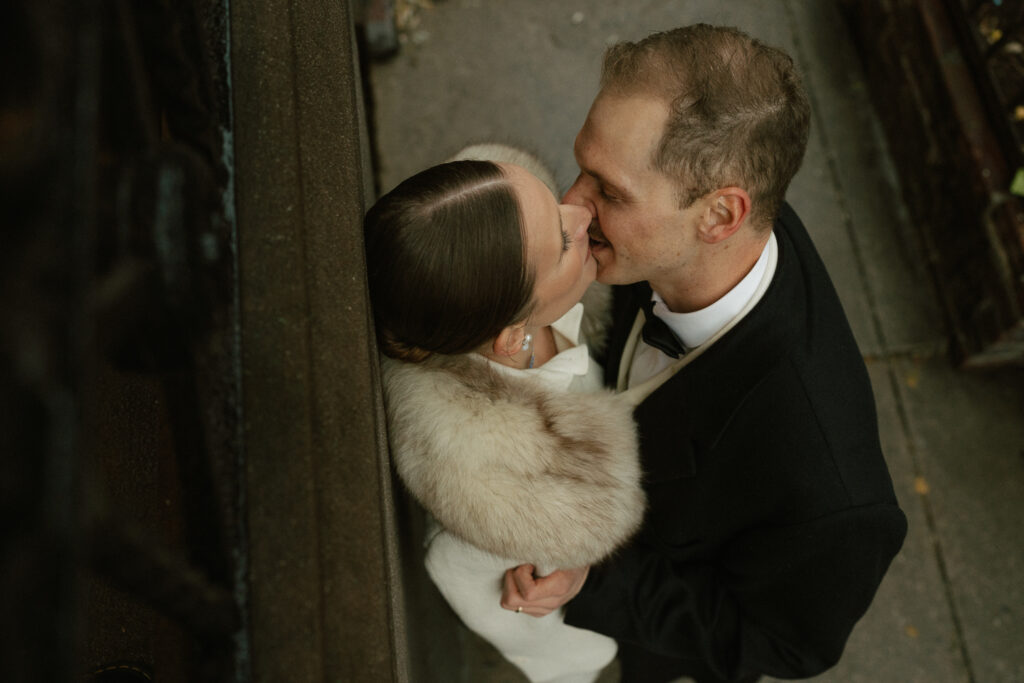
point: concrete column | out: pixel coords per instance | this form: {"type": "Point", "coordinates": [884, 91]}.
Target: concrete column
{"type": "Point", "coordinates": [324, 586]}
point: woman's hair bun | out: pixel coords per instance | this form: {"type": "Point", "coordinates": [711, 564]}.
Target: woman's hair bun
{"type": "Point", "coordinates": [399, 351]}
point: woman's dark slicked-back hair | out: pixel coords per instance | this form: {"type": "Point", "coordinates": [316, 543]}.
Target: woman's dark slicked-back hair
{"type": "Point", "coordinates": [446, 261]}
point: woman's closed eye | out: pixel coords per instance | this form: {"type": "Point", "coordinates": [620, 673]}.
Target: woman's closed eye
{"type": "Point", "coordinates": [566, 241]}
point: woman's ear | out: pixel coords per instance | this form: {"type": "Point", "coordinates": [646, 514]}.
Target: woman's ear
{"type": "Point", "coordinates": [509, 341]}
{"type": "Point", "coordinates": [728, 208]}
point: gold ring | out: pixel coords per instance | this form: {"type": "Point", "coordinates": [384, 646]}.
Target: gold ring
{"type": "Point", "coordinates": [519, 609]}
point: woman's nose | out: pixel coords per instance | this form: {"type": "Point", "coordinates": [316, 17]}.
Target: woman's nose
{"type": "Point", "coordinates": [577, 195]}
{"type": "Point", "coordinates": [581, 217]}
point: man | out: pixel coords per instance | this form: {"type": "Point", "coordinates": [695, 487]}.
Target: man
{"type": "Point", "coordinates": [772, 517]}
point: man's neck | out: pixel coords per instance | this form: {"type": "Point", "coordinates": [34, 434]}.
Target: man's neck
{"type": "Point", "coordinates": [720, 272]}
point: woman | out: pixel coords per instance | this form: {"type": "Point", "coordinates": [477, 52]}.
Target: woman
{"type": "Point", "coordinates": [496, 419]}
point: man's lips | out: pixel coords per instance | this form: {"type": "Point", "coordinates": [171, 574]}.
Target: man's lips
{"type": "Point", "coordinates": [596, 236]}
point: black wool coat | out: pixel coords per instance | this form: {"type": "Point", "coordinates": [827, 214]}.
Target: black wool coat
{"type": "Point", "coordinates": [771, 513]}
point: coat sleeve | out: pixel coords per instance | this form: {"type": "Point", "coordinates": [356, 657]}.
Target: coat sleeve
{"type": "Point", "coordinates": [779, 601]}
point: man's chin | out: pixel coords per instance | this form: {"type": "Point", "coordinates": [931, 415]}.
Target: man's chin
{"type": "Point", "coordinates": [606, 276]}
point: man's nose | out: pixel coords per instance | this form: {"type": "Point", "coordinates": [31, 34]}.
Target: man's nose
{"type": "Point", "coordinates": [579, 195]}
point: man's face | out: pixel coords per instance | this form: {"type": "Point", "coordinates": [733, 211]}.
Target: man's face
{"type": "Point", "coordinates": [639, 232]}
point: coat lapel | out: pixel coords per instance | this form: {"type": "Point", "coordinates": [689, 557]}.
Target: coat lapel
{"type": "Point", "coordinates": [681, 420]}
{"type": "Point", "coordinates": [626, 303]}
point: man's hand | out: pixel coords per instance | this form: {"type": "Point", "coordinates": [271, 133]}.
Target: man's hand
{"type": "Point", "coordinates": [540, 596]}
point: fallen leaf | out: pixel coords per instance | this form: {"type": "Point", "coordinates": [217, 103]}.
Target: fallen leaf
{"type": "Point", "coordinates": [921, 486]}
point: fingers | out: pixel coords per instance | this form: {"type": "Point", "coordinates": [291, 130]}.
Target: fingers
{"type": "Point", "coordinates": [510, 596]}
{"type": "Point", "coordinates": [517, 585]}
{"type": "Point", "coordinates": [525, 583]}
{"type": "Point", "coordinates": [524, 593]}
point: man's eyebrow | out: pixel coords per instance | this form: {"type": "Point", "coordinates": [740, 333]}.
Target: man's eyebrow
{"type": "Point", "coordinates": [617, 189]}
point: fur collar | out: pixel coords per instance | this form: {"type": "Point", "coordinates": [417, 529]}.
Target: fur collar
{"type": "Point", "coordinates": [526, 473]}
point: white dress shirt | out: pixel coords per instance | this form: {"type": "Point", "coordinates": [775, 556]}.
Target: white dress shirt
{"type": "Point", "coordinates": [697, 327]}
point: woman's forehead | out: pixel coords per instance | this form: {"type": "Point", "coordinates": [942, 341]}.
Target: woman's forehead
{"type": "Point", "coordinates": [541, 217]}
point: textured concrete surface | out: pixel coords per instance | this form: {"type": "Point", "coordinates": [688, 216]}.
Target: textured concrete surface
{"type": "Point", "coordinates": [952, 607]}
{"type": "Point", "coordinates": [318, 502]}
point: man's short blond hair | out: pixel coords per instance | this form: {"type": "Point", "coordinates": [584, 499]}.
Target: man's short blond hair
{"type": "Point", "coordinates": [738, 111]}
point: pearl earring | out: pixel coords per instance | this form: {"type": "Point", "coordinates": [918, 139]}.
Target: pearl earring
{"type": "Point", "coordinates": [527, 342]}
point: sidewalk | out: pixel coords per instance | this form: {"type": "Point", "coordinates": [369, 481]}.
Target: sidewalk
{"type": "Point", "coordinates": [952, 607]}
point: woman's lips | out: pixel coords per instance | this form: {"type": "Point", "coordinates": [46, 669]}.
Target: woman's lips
{"type": "Point", "coordinates": [596, 236]}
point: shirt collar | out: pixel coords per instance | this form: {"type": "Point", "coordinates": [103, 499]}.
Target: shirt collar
{"type": "Point", "coordinates": [572, 359]}
{"type": "Point", "coordinates": [695, 328]}
{"type": "Point", "coordinates": [569, 327]}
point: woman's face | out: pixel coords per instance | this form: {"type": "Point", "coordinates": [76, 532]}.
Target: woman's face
{"type": "Point", "coordinates": [557, 246]}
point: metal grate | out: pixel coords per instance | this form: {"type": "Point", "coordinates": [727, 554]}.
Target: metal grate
{"type": "Point", "coordinates": [946, 79]}
{"type": "Point", "coordinates": [117, 283]}
{"type": "Point", "coordinates": [992, 37]}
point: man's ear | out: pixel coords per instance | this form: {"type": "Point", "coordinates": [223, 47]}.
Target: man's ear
{"type": "Point", "coordinates": [725, 212]}
{"type": "Point", "coordinates": [509, 341]}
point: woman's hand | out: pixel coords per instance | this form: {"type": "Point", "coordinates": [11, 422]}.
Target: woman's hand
{"type": "Point", "coordinates": [540, 596]}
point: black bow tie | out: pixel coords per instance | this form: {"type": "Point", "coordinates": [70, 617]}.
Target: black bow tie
{"type": "Point", "coordinates": [659, 335]}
